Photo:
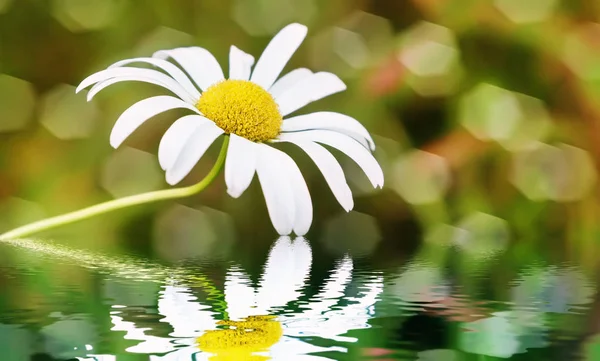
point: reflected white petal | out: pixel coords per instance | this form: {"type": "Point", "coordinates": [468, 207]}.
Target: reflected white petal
{"type": "Point", "coordinates": [308, 90]}
{"type": "Point", "coordinates": [288, 80]}
{"type": "Point", "coordinates": [368, 295]}
{"type": "Point", "coordinates": [148, 344]}
{"type": "Point", "coordinates": [333, 290]}
{"type": "Point", "coordinates": [340, 277]}
{"type": "Point", "coordinates": [356, 314]}
{"type": "Point", "coordinates": [285, 274]}
{"type": "Point", "coordinates": [303, 261]}
{"type": "Point", "coordinates": [303, 350]}
{"type": "Point", "coordinates": [115, 75]}
{"type": "Point", "coordinates": [346, 145]}
{"type": "Point", "coordinates": [193, 149]}
{"type": "Point", "coordinates": [331, 170]}
{"type": "Point", "coordinates": [240, 165]}
{"type": "Point", "coordinates": [141, 111]}
{"type": "Point", "coordinates": [338, 320]}
{"type": "Point", "coordinates": [331, 121]}
{"type": "Point", "coordinates": [277, 54]}
{"type": "Point", "coordinates": [240, 64]}
{"type": "Point", "coordinates": [239, 295]}
{"type": "Point", "coordinates": [199, 63]}
{"type": "Point", "coordinates": [190, 353]}
{"type": "Point", "coordinates": [168, 67]}
{"type": "Point", "coordinates": [175, 138]}
{"type": "Point", "coordinates": [184, 312]}
{"type": "Point", "coordinates": [276, 188]}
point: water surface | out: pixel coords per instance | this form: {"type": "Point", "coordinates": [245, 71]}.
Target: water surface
{"type": "Point", "coordinates": [61, 303]}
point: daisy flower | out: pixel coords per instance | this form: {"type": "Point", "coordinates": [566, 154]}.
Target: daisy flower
{"type": "Point", "coordinates": [261, 321]}
{"type": "Point", "coordinates": [253, 108]}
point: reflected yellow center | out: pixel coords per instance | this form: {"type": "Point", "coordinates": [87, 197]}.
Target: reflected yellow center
{"type": "Point", "coordinates": [242, 338]}
{"type": "Point", "coordinates": [242, 108]}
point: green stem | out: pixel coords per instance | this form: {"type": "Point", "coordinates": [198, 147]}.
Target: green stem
{"type": "Point", "coordinates": [120, 203]}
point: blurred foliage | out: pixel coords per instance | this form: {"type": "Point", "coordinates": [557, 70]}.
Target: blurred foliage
{"type": "Point", "coordinates": [477, 106]}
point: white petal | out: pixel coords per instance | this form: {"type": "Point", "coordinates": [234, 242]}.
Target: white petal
{"type": "Point", "coordinates": [240, 64]}
{"type": "Point", "coordinates": [168, 67]}
{"type": "Point", "coordinates": [240, 165]}
{"type": "Point", "coordinates": [277, 54]}
{"type": "Point", "coordinates": [302, 200]}
{"type": "Point", "coordinates": [181, 93]}
{"type": "Point", "coordinates": [331, 169]}
{"type": "Point", "coordinates": [111, 73]}
{"type": "Point", "coordinates": [308, 90]}
{"type": "Point", "coordinates": [346, 145]}
{"type": "Point", "coordinates": [141, 111]}
{"type": "Point", "coordinates": [288, 80]}
{"type": "Point", "coordinates": [193, 149]}
{"type": "Point", "coordinates": [331, 121]}
{"type": "Point", "coordinates": [276, 189]}
{"type": "Point", "coordinates": [199, 63]}
{"type": "Point", "coordinates": [144, 75]}
{"type": "Point", "coordinates": [175, 138]}
{"type": "Point", "coordinates": [285, 274]}
{"type": "Point", "coordinates": [239, 295]}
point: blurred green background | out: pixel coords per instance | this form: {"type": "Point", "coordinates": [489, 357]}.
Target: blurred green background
{"type": "Point", "coordinates": [486, 114]}
{"type": "Point", "coordinates": [476, 106]}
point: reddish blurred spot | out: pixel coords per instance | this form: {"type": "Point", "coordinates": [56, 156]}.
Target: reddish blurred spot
{"type": "Point", "coordinates": [458, 308]}
{"type": "Point", "coordinates": [457, 147]}
{"type": "Point", "coordinates": [590, 33]}
{"type": "Point", "coordinates": [376, 352]}
{"type": "Point", "coordinates": [7, 187]}
{"type": "Point", "coordinates": [386, 79]}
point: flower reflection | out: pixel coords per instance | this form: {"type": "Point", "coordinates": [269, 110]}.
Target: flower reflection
{"type": "Point", "coordinates": [285, 273]}
{"type": "Point", "coordinates": [323, 317]}
{"type": "Point", "coordinates": [262, 322]}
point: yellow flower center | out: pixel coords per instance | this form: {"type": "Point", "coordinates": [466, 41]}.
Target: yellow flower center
{"type": "Point", "coordinates": [242, 108]}
{"type": "Point", "coordinates": [242, 339]}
